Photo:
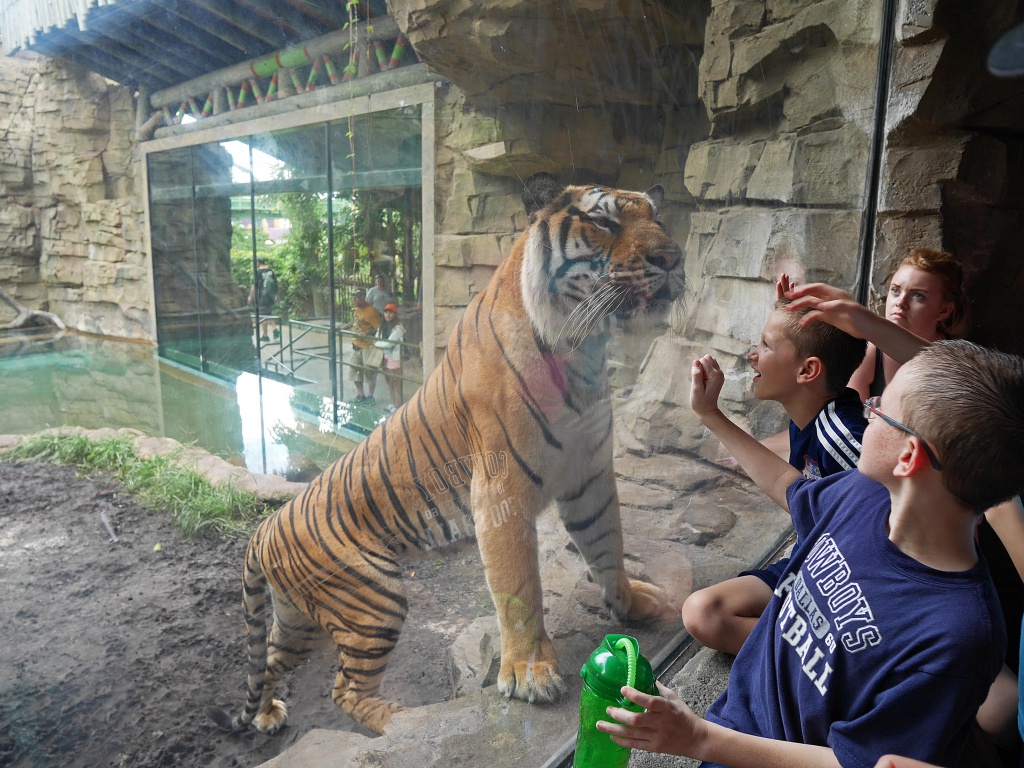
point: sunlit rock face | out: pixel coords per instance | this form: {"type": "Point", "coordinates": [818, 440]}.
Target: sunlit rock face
{"type": "Point", "coordinates": [585, 53]}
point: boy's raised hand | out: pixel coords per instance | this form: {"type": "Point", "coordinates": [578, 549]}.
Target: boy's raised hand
{"type": "Point", "coordinates": [783, 286]}
{"type": "Point", "coordinates": [706, 381]}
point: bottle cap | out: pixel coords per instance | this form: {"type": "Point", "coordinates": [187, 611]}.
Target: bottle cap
{"type": "Point", "coordinates": [607, 669]}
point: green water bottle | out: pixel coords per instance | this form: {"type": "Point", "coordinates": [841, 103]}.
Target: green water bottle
{"type": "Point", "coordinates": [616, 662]}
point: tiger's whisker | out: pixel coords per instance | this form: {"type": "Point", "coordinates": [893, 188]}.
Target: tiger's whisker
{"type": "Point", "coordinates": [602, 304]}
{"type": "Point", "coordinates": [584, 315]}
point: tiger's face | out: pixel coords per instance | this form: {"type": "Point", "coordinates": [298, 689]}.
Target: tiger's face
{"type": "Point", "coordinates": [591, 251]}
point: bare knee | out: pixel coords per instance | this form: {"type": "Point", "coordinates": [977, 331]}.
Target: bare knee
{"type": "Point", "coordinates": [722, 616]}
{"type": "Point", "coordinates": [703, 615]}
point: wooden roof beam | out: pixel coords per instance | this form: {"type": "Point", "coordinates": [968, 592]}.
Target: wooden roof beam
{"type": "Point", "coordinates": [230, 13]}
{"type": "Point", "coordinates": [130, 61]}
{"type": "Point", "coordinates": [328, 14]}
{"type": "Point", "coordinates": [151, 25]}
{"type": "Point", "coordinates": [61, 44]}
{"type": "Point", "coordinates": [138, 53]}
{"type": "Point", "coordinates": [296, 24]}
{"type": "Point", "coordinates": [237, 36]}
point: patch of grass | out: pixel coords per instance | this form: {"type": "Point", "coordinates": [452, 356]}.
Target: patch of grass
{"type": "Point", "coordinates": [158, 482]}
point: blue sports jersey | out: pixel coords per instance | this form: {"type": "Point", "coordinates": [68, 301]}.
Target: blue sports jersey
{"type": "Point", "coordinates": [830, 443]}
{"type": "Point", "coordinates": [862, 648]}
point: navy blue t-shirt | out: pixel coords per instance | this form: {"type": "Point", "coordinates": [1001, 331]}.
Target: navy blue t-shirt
{"type": "Point", "coordinates": [862, 648]}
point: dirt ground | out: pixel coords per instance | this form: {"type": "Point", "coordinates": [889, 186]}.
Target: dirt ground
{"type": "Point", "coordinates": [113, 649]}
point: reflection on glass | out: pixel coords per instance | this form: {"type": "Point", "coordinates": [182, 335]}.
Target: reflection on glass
{"type": "Point", "coordinates": [200, 304]}
{"type": "Point", "coordinates": [260, 243]}
{"type": "Point", "coordinates": [272, 403]}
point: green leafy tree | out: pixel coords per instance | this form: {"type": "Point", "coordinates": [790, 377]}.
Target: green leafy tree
{"type": "Point", "coordinates": [305, 250]}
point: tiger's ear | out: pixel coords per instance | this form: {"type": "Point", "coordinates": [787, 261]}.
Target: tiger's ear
{"type": "Point", "coordinates": [657, 195]}
{"type": "Point", "coordinates": [541, 189]}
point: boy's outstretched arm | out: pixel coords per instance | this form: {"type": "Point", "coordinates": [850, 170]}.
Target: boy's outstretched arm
{"type": "Point", "coordinates": [771, 474]}
{"type": "Point", "coordinates": [835, 307]}
{"type": "Point", "coordinates": [669, 726]}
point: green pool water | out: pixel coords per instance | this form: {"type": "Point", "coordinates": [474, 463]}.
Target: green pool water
{"type": "Point", "coordinates": [74, 380]}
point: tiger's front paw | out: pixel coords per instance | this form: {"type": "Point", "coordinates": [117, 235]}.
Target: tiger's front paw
{"type": "Point", "coordinates": [533, 681]}
{"type": "Point", "coordinates": [647, 602]}
{"type": "Point", "coordinates": [271, 718]}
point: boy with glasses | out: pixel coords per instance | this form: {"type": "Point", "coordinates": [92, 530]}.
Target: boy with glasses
{"type": "Point", "coordinates": [885, 632]}
{"type": "Point", "coordinates": [1000, 534]}
{"type": "Point", "coordinates": [872, 407]}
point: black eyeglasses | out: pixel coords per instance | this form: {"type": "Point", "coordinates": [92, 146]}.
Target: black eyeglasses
{"type": "Point", "coordinates": [871, 407]}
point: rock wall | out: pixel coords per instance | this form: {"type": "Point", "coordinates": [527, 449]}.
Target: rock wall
{"type": "Point", "coordinates": [71, 224]}
{"type": "Point", "coordinates": [763, 147]}
{"type": "Point", "coordinates": [597, 94]}
{"type": "Point", "coordinates": [778, 186]}
{"type": "Point", "coordinates": [954, 160]}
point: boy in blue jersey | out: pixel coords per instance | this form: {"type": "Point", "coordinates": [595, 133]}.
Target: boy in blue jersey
{"type": "Point", "coordinates": [806, 370]}
{"type": "Point", "coordinates": [885, 631]}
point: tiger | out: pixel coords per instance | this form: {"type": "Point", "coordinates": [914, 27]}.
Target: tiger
{"type": "Point", "coordinates": [516, 416]}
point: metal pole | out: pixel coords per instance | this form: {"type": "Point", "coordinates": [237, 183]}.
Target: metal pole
{"type": "Point", "coordinates": [876, 151]}
{"type": "Point", "coordinates": [332, 336]}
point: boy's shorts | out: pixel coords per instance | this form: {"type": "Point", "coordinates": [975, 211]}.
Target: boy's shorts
{"type": "Point", "coordinates": [770, 574]}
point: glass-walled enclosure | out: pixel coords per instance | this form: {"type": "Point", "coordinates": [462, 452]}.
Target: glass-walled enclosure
{"type": "Point", "coordinates": [366, 227]}
{"type": "Point", "coordinates": [759, 129]}
{"type": "Point", "coordinates": [261, 243]}
{"type": "Point", "coordinates": [760, 137]}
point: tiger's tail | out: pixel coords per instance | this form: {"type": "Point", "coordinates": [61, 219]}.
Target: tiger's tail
{"type": "Point", "coordinates": [254, 606]}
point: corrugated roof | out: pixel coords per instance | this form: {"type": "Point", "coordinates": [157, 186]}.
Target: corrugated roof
{"type": "Point", "coordinates": [159, 43]}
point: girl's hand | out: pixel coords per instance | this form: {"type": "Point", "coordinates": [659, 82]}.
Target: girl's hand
{"type": "Point", "coordinates": [783, 286]}
{"type": "Point", "coordinates": [822, 291]}
{"type": "Point", "coordinates": [830, 305]}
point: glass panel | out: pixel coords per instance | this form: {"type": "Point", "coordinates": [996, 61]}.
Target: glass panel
{"type": "Point", "coordinates": [224, 316]}
{"type": "Point", "coordinates": [172, 234]}
{"type": "Point", "coordinates": [413, 186]}
{"type": "Point", "coordinates": [263, 203]}
{"type": "Point", "coordinates": [376, 173]}
{"type": "Point", "coordinates": [201, 316]}
{"type": "Point", "coordinates": [290, 187]}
